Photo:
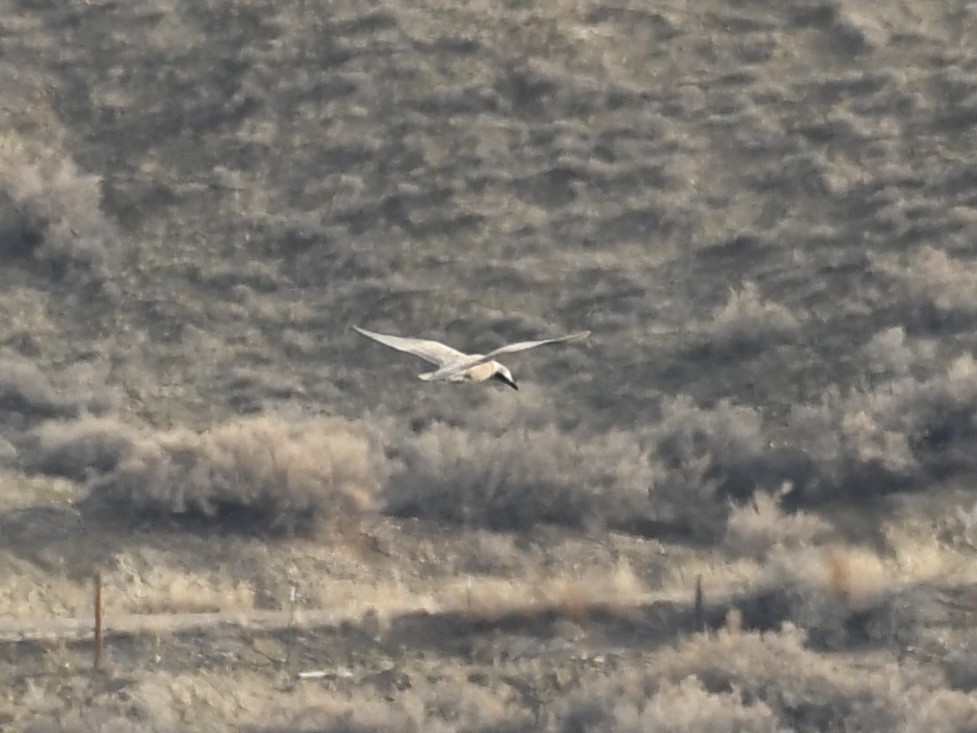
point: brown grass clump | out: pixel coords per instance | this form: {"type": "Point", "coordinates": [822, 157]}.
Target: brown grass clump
{"type": "Point", "coordinates": [843, 597]}
{"type": "Point", "coordinates": [521, 477]}
{"type": "Point", "coordinates": [448, 702]}
{"type": "Point", "coordinates": [280, 475]}
{"type": "Point", "coordinates": [573, 595]}
{"type": "Point", "coordinates": [854, 576]}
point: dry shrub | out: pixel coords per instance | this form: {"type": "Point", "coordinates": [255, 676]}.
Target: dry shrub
{"type": "Point", "coordinates": [890, 353]}
{"type": "Point", "coordinates": [24, 388]}
{"type": "Point", "coordinates": [444, 703]}
{"type": "Point", "coordinates": [520, 478]}
{"type": "Point", "coordinates": [677, 476]}
{"type": "Point", "coordinates": [51, 212]}
{"type": "Point", "coordinates": [748, 321]}
{"type": "Point", "coordinates": [632, 703]}
{"type": "Point", "coordinates": [703, 455]}
{"type": "Point", "coordinates": [880, 438]}
{"type": "Point", "coordinates": [934, 284]}
{"type": "Point", "coordinates": [821, 590]}
{"type": "Point", "coordinates": [915, 414]}
{"type": "Point", "coordinates": [29, 393]}
{"type": "Point", "coordinates": [845, 597]}
{"type": "Point", "coordinates": [729, 437]}
{"type": "Point", "coordinates": [761, 525]}
{"type": "Point", "coordinates": [280, 475]}
{"type": "Point", "coordinates": [812, 692]}
{"type": "Point", "coordinates": [78, 449]}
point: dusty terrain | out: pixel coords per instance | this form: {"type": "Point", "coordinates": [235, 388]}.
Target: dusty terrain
{"type": "Point", "coordinates": [745, 503]}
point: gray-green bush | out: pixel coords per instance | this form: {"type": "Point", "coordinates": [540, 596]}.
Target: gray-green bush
{"type": "Point", "coordinates": [51, 212]}
{"type": "Point", "coordinates": [80, 449]}
{"type": "Point", "coordinates": [520, 477]}
{"type": "Point", "coordinates": [280, 474]}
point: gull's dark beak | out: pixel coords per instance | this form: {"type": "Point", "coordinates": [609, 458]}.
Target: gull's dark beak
{"type": "Point", "coordinates": [505, 380]}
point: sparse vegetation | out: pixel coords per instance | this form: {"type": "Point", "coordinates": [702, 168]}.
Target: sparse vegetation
{"type": "Point", "coordinates": [745, 504]}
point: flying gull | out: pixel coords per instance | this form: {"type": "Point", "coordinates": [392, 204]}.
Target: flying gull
{"type": "Point", "coordinates": [455, 366]}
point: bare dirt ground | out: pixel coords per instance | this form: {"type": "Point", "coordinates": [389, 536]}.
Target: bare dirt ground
{"type": "Point", "coordinates": [765, 212]}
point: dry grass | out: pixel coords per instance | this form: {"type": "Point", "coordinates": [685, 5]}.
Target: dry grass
{"type": "Point", "coordinates": [163, 590]}
{"type": "Point", "coordinates": [571, 594]}
{"type": "Point", "coordinates": [129, 588]}
{"type": "Point", "coordinates": [28, 593]}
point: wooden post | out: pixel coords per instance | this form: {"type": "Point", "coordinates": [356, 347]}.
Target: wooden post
{"type": "Point", "coordinates": [698, 604]}
{"type": "Point", "coordinates": [99, 640]}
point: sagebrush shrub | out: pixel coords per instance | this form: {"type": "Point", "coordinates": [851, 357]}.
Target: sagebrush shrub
{"type": "Point", "coordinates": [51, 212]}
{"type": "Point", "coordinates": [80, 449]}
{"type": "Point", "coordinates": [523, 476]}
{"type": "Point", "coordinates": [281, 474]}
{"type": "Point", "coordinates": [747, 320]}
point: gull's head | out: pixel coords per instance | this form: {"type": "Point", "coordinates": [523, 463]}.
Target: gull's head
{"type": "Point", "coordinates": [504, 375]}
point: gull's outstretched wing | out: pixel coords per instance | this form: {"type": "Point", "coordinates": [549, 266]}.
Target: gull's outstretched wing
{"type": "Point", "coordinates": [469, 362]}
{"type": "Point", "coordinates": [432, 351]}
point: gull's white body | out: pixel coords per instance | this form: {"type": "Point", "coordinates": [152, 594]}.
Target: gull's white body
{"type": "Point", "coordinates": [456, 366]}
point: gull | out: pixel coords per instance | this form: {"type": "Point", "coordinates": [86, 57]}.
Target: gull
{"type": "Point", "coordinates": [455, 366]}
